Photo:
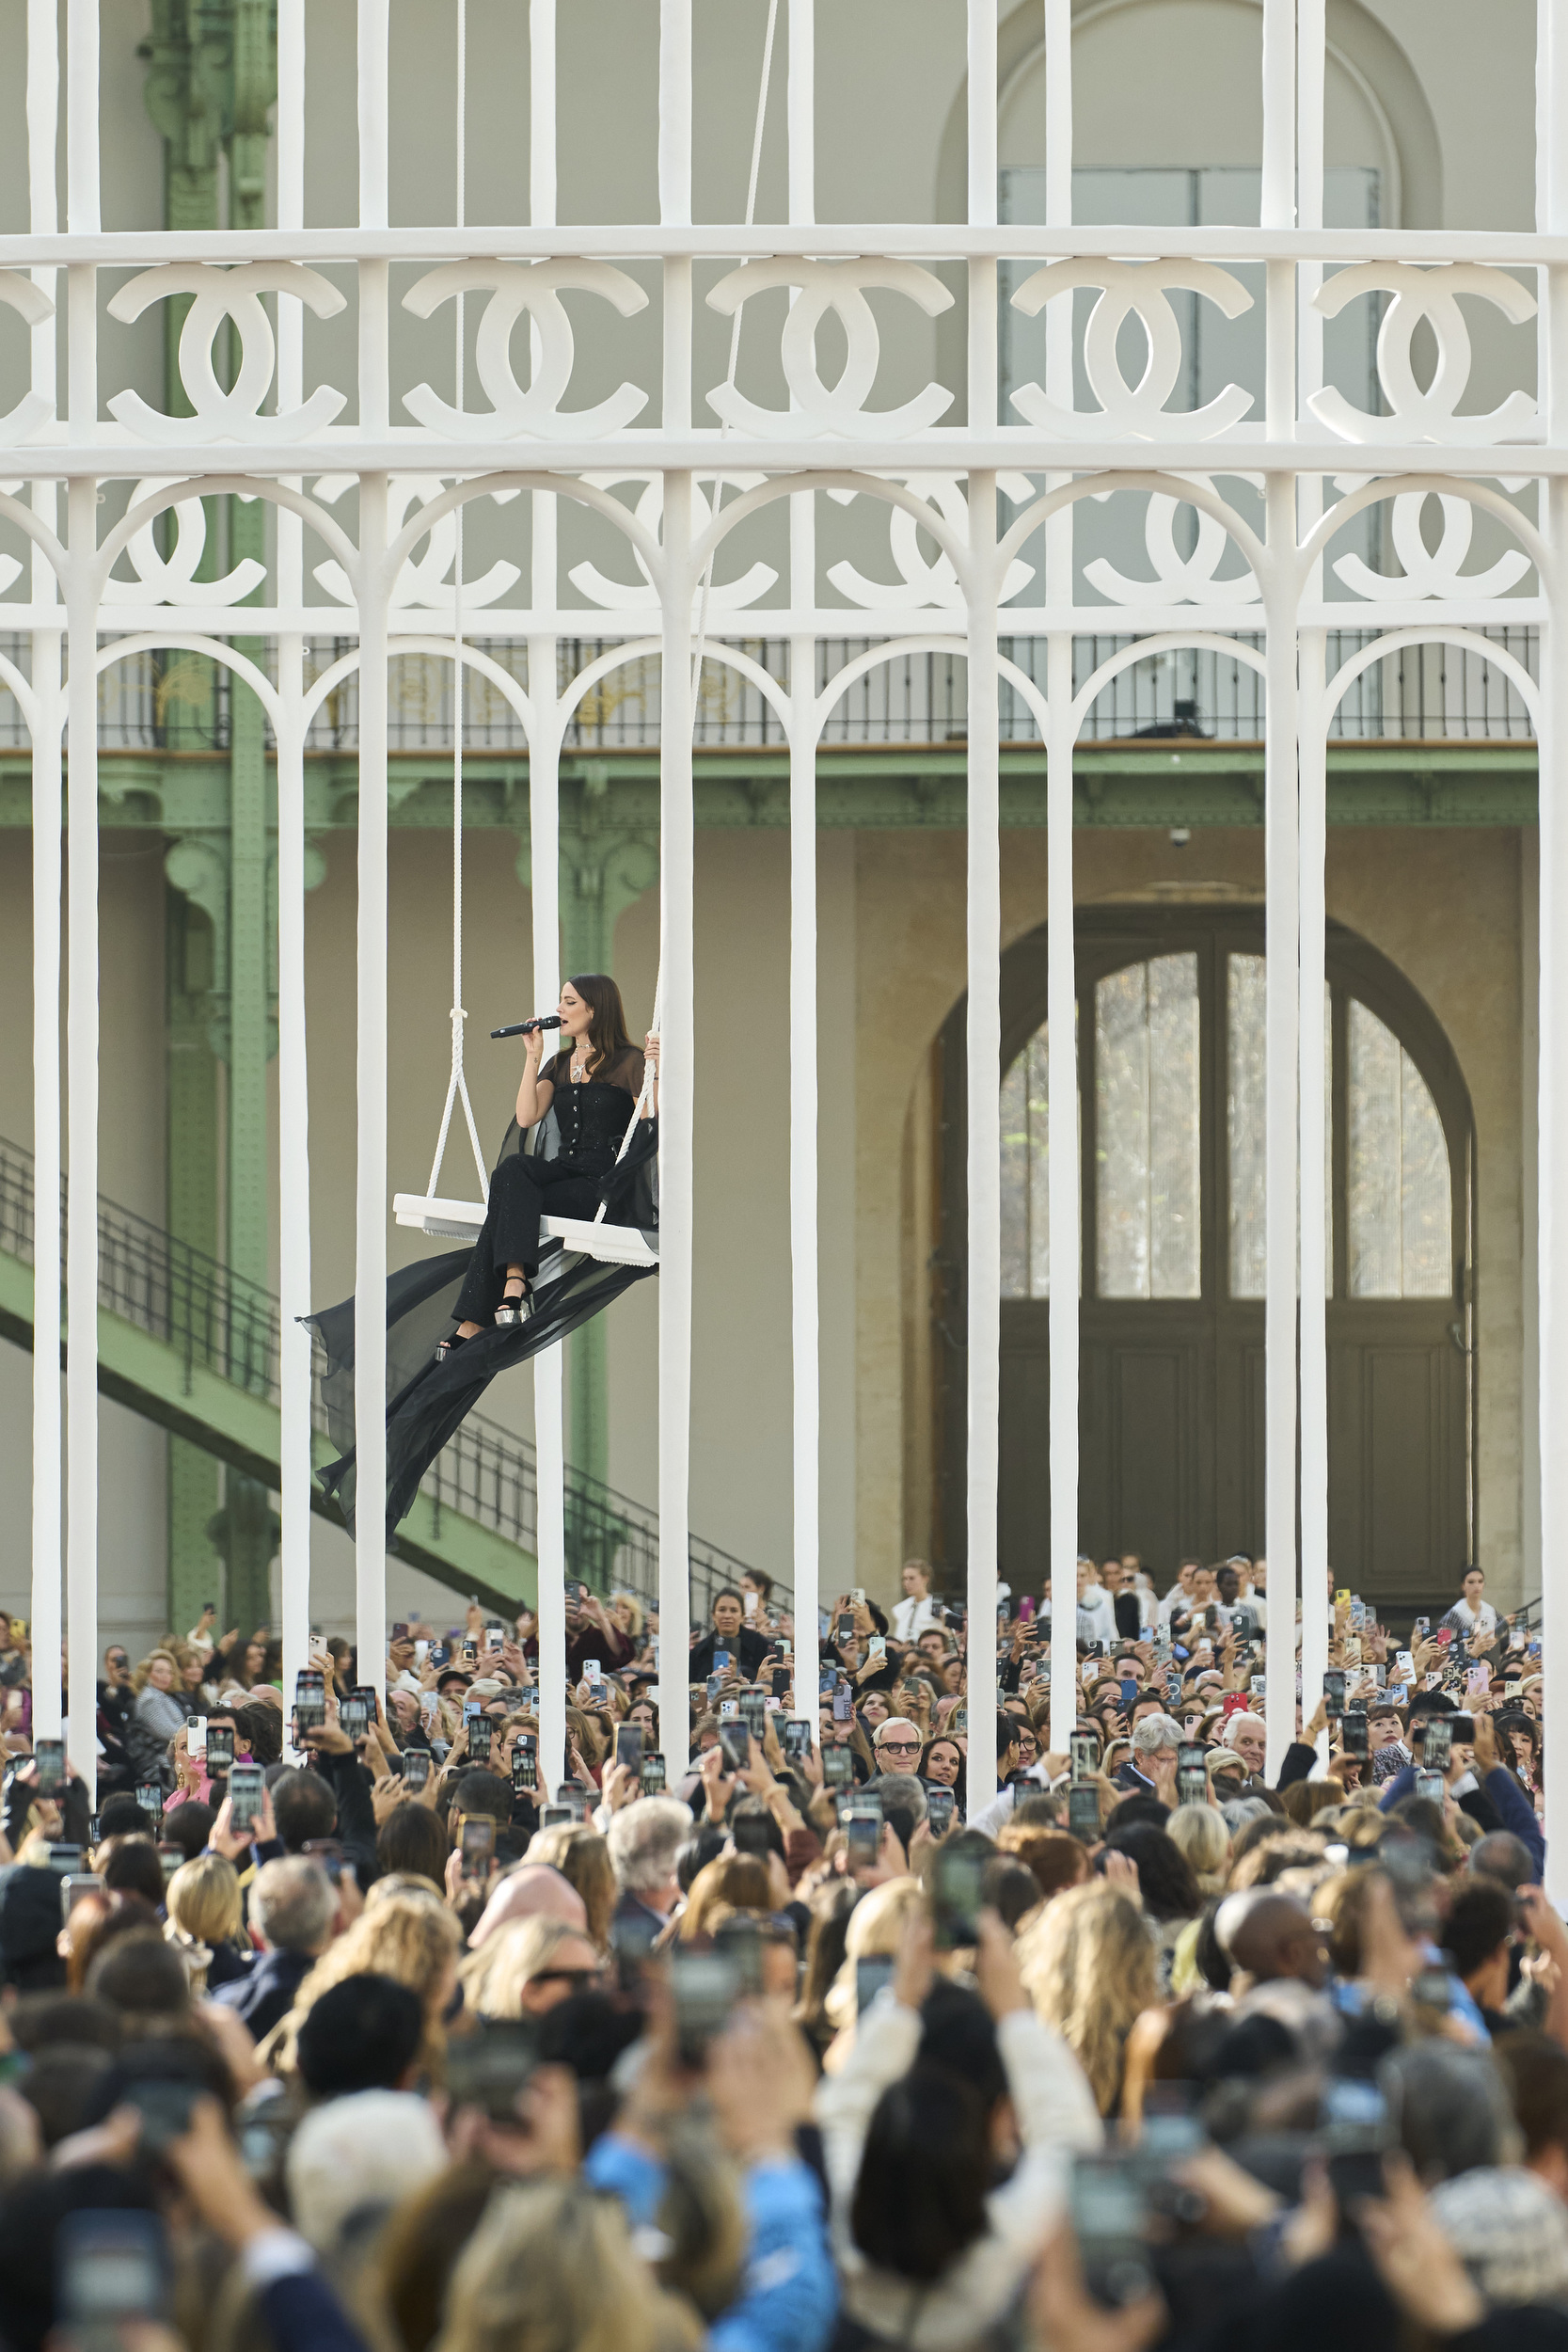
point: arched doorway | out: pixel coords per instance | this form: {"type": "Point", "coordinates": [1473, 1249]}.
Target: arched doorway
{"type": "Point", "coordinates": [1170, 1027]}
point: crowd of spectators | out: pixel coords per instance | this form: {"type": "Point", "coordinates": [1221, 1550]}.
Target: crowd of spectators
{"type": "Point", "coordinates": [343, 2024]}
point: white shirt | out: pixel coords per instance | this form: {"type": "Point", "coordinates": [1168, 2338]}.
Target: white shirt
{"type": "Point", "coordinates": [1464, 1618]}
{"type": "Point", "coordinates": [1097, 1609]}
{"type": "Point", "coordinates": [912, 1615]}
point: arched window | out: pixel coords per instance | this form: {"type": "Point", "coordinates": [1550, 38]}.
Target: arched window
{"type": "Point", "coordinates": [1394, 1198]}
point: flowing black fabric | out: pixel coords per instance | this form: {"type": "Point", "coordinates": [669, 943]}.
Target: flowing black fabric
{"type": "Point", "coordinates": [426, 1401]}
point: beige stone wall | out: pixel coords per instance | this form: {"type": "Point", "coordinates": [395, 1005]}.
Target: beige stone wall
{"type": "Point", "coordinates": [1442, 905]}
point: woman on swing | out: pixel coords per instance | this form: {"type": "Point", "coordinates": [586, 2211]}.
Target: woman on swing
{"type": "Point", "coordinates": [584, 1098]}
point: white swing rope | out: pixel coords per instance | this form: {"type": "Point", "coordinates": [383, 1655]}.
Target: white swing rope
{"type": "Point", "coordinates": [457, 1084]}
{"type": "Point", "coordinates": [649, 1074]}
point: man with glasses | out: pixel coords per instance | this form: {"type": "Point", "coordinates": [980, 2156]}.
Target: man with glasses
{"type": "Point", "coordinates": [896, 1745]}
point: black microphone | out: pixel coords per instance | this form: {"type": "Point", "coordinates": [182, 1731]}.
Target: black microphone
{"type": "Point", "coordinates": [525, 1029]}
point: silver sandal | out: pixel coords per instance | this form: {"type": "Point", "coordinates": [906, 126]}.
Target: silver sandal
{"type": "Point", "coordinates": [514, 1311]}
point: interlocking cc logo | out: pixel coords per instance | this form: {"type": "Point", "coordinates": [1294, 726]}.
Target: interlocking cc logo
{"type": "Point", "coordinates": [515, 287]}
{"type": "Point", "coordinates": [219, 295]}
{"type": "Point", "coordinates": [1135, 411]}
{"type": "Point", "coordinates": [1424, 294]}
{"type": "Point", "coordinates": [840, 287]}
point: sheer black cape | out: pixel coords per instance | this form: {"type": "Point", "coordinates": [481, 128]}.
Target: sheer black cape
{"type": "Point", "coordinates": [426, 1401]}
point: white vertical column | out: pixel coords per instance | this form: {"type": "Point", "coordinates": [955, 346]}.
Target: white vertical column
{"type": "Point", "coordinates": [984, 1044]}
{"type": "Point", "coordinates": [674, 111]}
{"type": "Point", "coordinates": [83, 218]}
{"type": "Point", "coordinates": [549, 1403]}
{"type": "Point", "coordinates": [1552, 1104]}
{"type": "Point", "coordinates": [1314, 717]}
{"type": "Point", "coordinates": [677, 1067]}
{"type": "Point", "coordinates": [370, 1252]}
{"type": "Point", "coordinates": [47, 1605]}
{"type": "Point", "coordinates": [293, 1105]}
{"type": "Point", "coordinates": [1063, 1177]}
{"type": "Point", "coordinates": [805, 1335]}
{"type": "Point", "coordinates": [1281, 861]}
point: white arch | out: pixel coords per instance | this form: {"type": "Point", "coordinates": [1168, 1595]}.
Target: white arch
{"type": "Point", "coordinates": [218, 485]}
{"type": "Point", "coordinates": [1467, 640]}
{"type": "Point", "coordinates": [1428, 486]}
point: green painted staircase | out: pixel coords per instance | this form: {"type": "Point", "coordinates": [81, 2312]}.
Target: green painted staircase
{"type": "Point", "coordinates": [195, 1348]}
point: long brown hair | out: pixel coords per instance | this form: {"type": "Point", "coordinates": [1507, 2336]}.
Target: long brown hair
{"type": "Point", "coordinates": [607, 1030]}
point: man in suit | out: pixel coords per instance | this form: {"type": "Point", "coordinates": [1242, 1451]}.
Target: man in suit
{"type": "Point", "coordinates": [294, 1905]}
{"type": "Point", "coordinates": [645, 1837]}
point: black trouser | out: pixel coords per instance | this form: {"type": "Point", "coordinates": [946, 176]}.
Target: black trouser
{"type": "Point", "coordinates": [521, 1192]}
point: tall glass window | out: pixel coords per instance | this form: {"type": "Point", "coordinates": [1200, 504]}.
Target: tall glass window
{"type": "Point", "coordinates": [1147, 1132]}
{"type": "Point", "coordinates": [1398, 1187]}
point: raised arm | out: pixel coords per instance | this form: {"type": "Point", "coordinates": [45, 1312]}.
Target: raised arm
{"type": "Point", "coordinates": [536, 1094]}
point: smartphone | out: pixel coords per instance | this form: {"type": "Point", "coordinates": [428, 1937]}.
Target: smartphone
{"type": "Point", "coordinates": [113, 2271]}
{"type": "Point", "coordinates": [421, 1653]}
{"type": "Point", "coordinates": [1512, 1690]}
{"type": "Point", "coordinates": [1082, 1814]}
{"type": "Point", "coordinates": [1404, 1665]}
{"type": "Point", "coordinates": [246, 1788]}
{"type": "Point", "coordinates": [844, 1704]}
{"type": "Point", "coordinates": [525, 1764]}
{"type": "Point", "coordinates": [169, 1860]}
{"type": "Point", "coordinates": [165, 2106]}
{"type": "Point", "coordinates": [796, 1739]}
{"type": "Point", "coordinates": [1192, 1774]}
{"type": "Point", "coordinates": [1478, 1681]}
{"type": "Point", "coordinates": [1355, 2134]}
{"type": "Point", "coordinates": [706, 1986]}
{"type": "Point", "coordinates": [1462, 1730]}
{"type": "Point", "coordinates": [749, 1603]}
{"type": "Point", "coordinates": [493, 2066]}
{"type": "Point", "coordinates": [478, 1847]}
{"type": "Point", "coordinates": [1431, 1785]}
{"type": "Point", "coordinates": [863, 1829]}
{"type": "Point", "coordinates": [495, 1634]}
{"type": "Point", "coordinates": [1129, 1693]}
{"type": "Point", "coordinates": [1437, 1743]}
{"type": "Point", "coordinates": [49, 1755]}
{"type": "Point", "coordinates": [734, 1743]}
{"type": "Point", "coordinates": [876, 1646]}
{"type": "Point", "coordinates": [400, 1631]}
{"type": "Point", "coordinates": [753, 1709]}
{"type": "Point", "coordinates": [1084, 1754]}
{"type": "Point", "coordinates": [220, 1749]}
{"type": "Point", "coordinates": [196, 1735]}
{"type": "Point", "coordinates": [1110, 2218]}
{"type": "Point", "coordinates": [870, 1976]}
{"type": "Point", "coordinates": [780, 1677]}
{"type": "Point", "coordinates": [1352, 1732]}
{"type": "Point", "coordinates": [73, 1886]}
{"type": "Point", "coordinates": [471, 1653]}
{"type": "Point", "coordinates": [309, 1699]}
{"type": "Point", "coordinates": [837, 1767]}
{"type": "Point", "coordinates": [151, 1798]}
{"type": "Point", "coordinates": [1445, 1635]}
{"type": "Point", "coordinates": [941, 1806]}
{"type": "Point", "coordinates": [958, 1879]}
{"type": "Point", "coordinates": [628, 1746]}
{"type": "Point", "coordinates": [652, 1778]}
{"type": "Point", "coordinates": [415, 1766]}
{"type": "Point", "coordinates": [556, 1815]}
{"type": "Point", "coordinates": [845, 1629]}
{"type": "Point", "coordinates": [728, 1712]}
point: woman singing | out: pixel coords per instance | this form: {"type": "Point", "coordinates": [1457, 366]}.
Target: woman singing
{"type": "Point", "coordinates": [584, 1098]}
{"type": "Point", "coordinates": [513, 1292]}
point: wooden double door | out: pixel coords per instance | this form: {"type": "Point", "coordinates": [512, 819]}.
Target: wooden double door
{"type": "Point", "coordinates": [1171, 1313]}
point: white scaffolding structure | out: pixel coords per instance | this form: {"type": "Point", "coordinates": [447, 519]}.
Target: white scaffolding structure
{"type": "Point", "coordinates": [986, 492]}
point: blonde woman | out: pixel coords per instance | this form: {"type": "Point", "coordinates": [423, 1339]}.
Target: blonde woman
{"type": "Point", "coordinates": [582, 1858]}
{"type": "Point", "coordinates": [627, 1610]}
{"type": "Point", "coordinates": [527, 1968]}
{"type": "Point", "coordinates": [735, 1881]}
{"type": "Point", "coordinates": [876, 1931]}
{"type": "Point", "coordinates": [407, 1933]}
{"type": "Point", "coordinates": [1202, 1836]}
{"type": "Point", "coordinates": [1087, 1964]}
{"type": "Point", "coordinates": [205, 1912]}
{"type": "Point", "coordinates": [551, 2268]}
{"type": "Point", "coordinates": [160, 1697]}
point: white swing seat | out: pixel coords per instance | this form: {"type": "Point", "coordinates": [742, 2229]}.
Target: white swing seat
{"type": "Point", "coordinates": [460, 1220]}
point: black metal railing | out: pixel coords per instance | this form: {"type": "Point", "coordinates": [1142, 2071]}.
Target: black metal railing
{"type": "Point", "coordinates": [220, 1323]}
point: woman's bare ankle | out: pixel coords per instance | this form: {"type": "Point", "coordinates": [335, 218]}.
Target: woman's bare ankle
{"type": "Point", "coordinates": [468, 1330]}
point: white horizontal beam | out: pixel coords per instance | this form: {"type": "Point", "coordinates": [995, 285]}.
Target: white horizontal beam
{"type": "Point", "coordinates": [726, 240]}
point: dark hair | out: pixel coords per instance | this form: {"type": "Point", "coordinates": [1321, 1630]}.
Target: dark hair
{"type": "Point", "coordinates": [260, 1727]}
{"type": "Point", "coordinates": [1167, 1886]}
{"type": "Point", "coordinates": [411, 1838]}
{"type": "Point", "coordinates": [1481, 1914]}
{"type": "Point", "coordinates": [1535, 2068]}
{"type": "Point", "coordinates": [753, 1809]}
{"type": "Point", "coordinates": [141, 1975]}
{"type": "Point", "coordinates": [947, 1739]}
{"type": "Point", "coordinates": [1011, 1888]}
{"type": "Point", "coordinates": [58, 2085]}
{"type": "Point", "coordinates": [363, 2034]}
{"type": "Point", "coordinates": [130, 1866]}
{"type": "Point", "coordinates": [1010, 1731]}
{"type": "Point", "coordinates": [920, 2199]}
{"type": "Point", "coordinates": [1134, 1809]}
{"type": "Point", "coordinates": [480, 1791]}
{"type": "Point", "coordinates": [607, 1030]}
{"type": "Point", "coordinates": [727, 1591]}
{"type": "Point", "coordinates": [705, 1844]}
{"type": "Point", "coordinates": [39, 2020]}
{"type": "Point", "coordinates": [121, 1816]}
{"type": "Point", "coordinates": [188, 1826]}
{"type": "Point", "coordinates": [303, 1806]}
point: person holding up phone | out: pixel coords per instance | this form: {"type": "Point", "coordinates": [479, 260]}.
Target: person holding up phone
{"type": "Point", "coordinates": [731, 1637]}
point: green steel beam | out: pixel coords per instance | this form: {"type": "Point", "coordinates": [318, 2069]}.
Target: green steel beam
{"type": "Point", "coordinates": [243, 1430]}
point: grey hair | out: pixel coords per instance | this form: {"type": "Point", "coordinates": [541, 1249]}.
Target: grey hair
{"type": "Point", "coordinates": [1243, 1715]}
{"type": "Point", "coordinates": [292, 1904]}
{"type": "Point", "coordinates": [645, 1838]}
{"type": "Point", "coordinates": [903, 1791]}
{"type": "Point", "coordinates": [1155, 1734]}
{"type": "Point", "coordinates": [1453, 2112]}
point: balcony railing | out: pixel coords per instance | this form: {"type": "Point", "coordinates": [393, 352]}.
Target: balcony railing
{"type": "Point", "coordinates": [1422, 693]}
{"type": "Point", "coordinates": [222, 1323]}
